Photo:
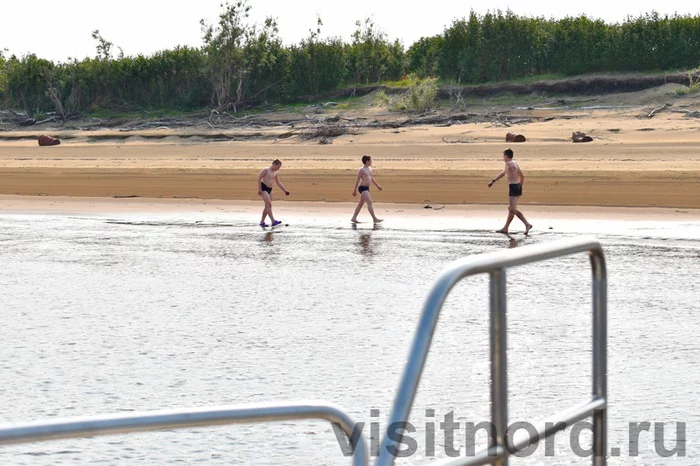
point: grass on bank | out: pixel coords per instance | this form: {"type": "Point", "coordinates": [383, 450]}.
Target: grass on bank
{"type": "Point", "coordinates": [693, 83]}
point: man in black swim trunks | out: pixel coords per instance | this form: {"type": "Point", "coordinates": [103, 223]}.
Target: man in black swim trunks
{"type": "Point", "coordinates": [516, 179]}
{"type": "Point", "coordinates": [265, 179]}
{"type": "Point", "coordinates": [362, 183]}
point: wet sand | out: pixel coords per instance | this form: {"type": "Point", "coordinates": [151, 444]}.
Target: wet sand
{"type": "Point", "coordinates": [301, 209]}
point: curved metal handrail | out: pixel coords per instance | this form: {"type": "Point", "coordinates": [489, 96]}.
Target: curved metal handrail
{"type": "Point", "coordinates": [495, 264]}
{"type": "Point", "coordinates": [176, 419]}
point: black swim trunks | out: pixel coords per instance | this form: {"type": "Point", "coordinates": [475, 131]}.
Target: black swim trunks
{"type": "Point", "coordinates": [265, 188]}
{"type": "Point", "coordinates": [362, 189]}
{"type": "Point", "coordinates": [515, 190]}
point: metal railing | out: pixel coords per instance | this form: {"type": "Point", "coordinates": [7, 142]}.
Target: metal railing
{"type": "Point", "coordinates": [500, 447]}
{"type": "Point", "coordinates": [175, 419]}
{"type": "Point", "coordinates": [495, 264]}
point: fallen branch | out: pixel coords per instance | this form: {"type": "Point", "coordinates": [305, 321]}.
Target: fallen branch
{"type": "Point", "coordinates": [520, 121]}
{"type": "Point", "coordinates": [47, 120]}
{"type": "Point", "coordinates": [326, 131]}
{"type": "Point", "coordinates": [456, 141]}
{"type": "Point", "coordinates": [658, 110]}
{"type": "Point", "coordinates": [286, 135]}
{"type": "Point", "coordinates": [688, 113]}
{"type": "Point", "coordinates": [580, 101]}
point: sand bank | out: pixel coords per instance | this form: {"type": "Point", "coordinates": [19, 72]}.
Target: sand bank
{"type": "Point", "coordinates": [631, 163]}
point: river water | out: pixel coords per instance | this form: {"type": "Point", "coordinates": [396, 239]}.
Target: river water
{"type": "Point", "coordinates": [112, 314]}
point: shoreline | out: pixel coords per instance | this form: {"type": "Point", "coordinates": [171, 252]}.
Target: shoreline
{"type": "Point", "coordinates": [63, 205]}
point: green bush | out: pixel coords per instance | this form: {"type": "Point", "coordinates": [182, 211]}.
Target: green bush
{"type": "Point", "coordinates": [419, 97]}
{"type": "Point", "coordinates": [422, 94]}
{"type": "Point", "coordinates": [393, 103]}
{"type": "Point", "coordinates": [693, 83]}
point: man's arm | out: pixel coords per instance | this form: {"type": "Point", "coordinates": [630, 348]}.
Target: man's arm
{"type": "Point", "coordinates": [279, 183]}
{"type": "Point", "coordinates": [376, 184]}
{"type": "Point", "coordinates": [522, 175]}
{"type": "Point", "coordinates": [498, 177]}
{"type": "Point", "coordinates": [357, 182]}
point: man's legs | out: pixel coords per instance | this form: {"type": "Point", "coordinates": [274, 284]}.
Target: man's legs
{"type": "Point", "coordinates": [264, 212]}
{"type": "Point", "coordinates": [368, 200]}
{"type": "Point", "coordinates": [528, 226]}
{"type": "Point", "coordinates": [520, 215]}
{"type": "Point", "coordinates": [357, 209]}
{"type": "Point", "coordinates": [513, 212]}
{"type": "Point", "coordinates": [268, 207]}
{"type": "Point", "coordinates": [512, 209]}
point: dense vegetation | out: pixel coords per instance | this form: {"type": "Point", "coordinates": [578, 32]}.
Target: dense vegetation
{"type": "Point", "coordinates": [240, 64]}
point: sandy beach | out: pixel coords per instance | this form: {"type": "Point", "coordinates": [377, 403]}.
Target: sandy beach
{"type": "Point", "coordinates": [632, 162]}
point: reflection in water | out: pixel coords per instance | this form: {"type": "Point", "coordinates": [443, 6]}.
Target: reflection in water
{"type": "Point", "coordinates": [267, 238]}
{"type": "Point", "coordinates": [366, 244]}
{"type": "Point", "coordinates": [514, 243]}
{"type": "Point", "coordinates": [367, 247]}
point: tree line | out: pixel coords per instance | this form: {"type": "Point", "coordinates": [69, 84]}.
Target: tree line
{"type": "Point", "coordinates": [241, 64]}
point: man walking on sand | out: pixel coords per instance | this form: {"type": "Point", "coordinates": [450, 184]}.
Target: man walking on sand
{"type": "Point", "coordinates": [363, 181]}
{"type": "Point", "coordinates": [516, 179]}
{"type": "Point", "coordinates": [265, 179]}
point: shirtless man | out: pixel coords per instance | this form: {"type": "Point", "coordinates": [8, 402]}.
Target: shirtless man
{"type": "Point", "coordinates": [364, 179]}
{"type": "Point", "coordinates": [516, 179]}
{"type": "Point", "coordinates": [265, 179]}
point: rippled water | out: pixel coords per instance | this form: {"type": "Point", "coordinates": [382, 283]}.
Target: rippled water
{"type": "Point", "coordinates": [107, 315]}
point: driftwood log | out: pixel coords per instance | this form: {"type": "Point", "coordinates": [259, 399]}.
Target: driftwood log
{"type": "Point", "coordinates": [658, 110]}
{"type": "Point", "coordinates": [48, 141]}
{"type": "Point", "coordinates": [512, 137]}
{"type": "Point", "coordinates": [578, 136]}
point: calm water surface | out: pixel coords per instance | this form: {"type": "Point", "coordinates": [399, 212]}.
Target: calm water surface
{"type": "Point", "coordinates": [136, 312]}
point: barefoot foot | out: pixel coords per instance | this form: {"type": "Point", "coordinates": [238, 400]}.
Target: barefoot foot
{"type": "Point", "coordinates": [378, 220]}
{"type": "Point", "coordinates": [502, 230]}
{"type": "Point", "coordinates": [354, 220]}
{"type": "Point", "coordinates": [527, 229]}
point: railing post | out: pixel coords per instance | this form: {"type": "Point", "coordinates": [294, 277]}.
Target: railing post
{"type": "Point", "coordinates": [499, 363]}
{"type": "Point", "coordinates": [600, 363]}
